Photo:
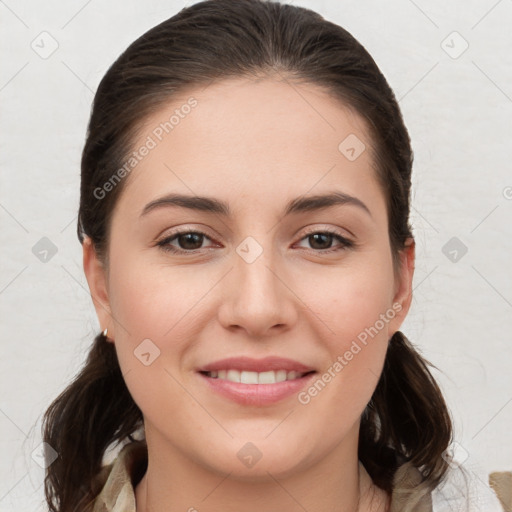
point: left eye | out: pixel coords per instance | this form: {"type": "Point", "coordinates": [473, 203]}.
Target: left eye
{"type": "Point", "coordinates": [321, 237]}
{"type": "Point", "coordinates": [192, 240]}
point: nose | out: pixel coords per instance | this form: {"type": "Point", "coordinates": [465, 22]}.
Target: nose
{"type": "Point", "coordinates": [259, 297]}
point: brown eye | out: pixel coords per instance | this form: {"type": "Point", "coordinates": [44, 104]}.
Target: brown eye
{"type": "Point", "coordinates": [321, 241]}
{"type": "Point", "coordinates": [188, 241]}
{"type": "Point", "coordinates": [324, 240]}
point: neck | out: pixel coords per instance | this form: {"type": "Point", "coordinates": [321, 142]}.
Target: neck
{"type": "Point", "coordinates": [337, 481]}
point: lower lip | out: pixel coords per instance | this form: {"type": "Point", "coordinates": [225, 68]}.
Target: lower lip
{"type": "Point", "coordinates": [257, 394]}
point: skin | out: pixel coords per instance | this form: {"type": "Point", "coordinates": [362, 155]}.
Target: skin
{"type": "Point", "coordinates": [255, 144]}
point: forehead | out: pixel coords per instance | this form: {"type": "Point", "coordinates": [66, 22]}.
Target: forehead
{"type": "Point", "coordinates": [255, 141]}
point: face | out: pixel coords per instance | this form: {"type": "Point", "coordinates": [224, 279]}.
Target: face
{"type": "Point", "coordinates": [312, 285]}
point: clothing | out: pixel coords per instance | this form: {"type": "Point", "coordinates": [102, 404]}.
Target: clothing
{"type": "Point", "coordinates": [119, 479]}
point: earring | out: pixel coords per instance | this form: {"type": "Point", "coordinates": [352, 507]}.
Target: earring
{"type": "Point", "coordinates": [105, 332]}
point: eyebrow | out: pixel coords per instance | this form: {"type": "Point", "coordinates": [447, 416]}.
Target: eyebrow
{"type": "Point", "coordinates": [212, 205]}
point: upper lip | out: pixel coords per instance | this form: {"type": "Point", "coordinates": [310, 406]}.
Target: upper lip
{"type": "Point", "coordinates": [256, 365]}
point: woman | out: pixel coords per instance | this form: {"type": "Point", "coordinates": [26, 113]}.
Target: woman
{"type": "Point", "coordinates": [244, 221]}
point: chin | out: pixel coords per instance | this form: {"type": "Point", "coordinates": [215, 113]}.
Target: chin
{"type": "Point", "coordinates": [252, 461]}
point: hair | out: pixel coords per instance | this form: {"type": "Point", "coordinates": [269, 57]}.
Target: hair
{"type": "Point", "coordinates": [407, 419]}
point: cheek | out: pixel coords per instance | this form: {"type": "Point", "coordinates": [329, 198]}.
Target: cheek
{"type": "Point", "coordinates": [154, 301]}
{"type": "Point", "coordinates": [353, 317]}
{"type": "Point", "coordinates": [351, 301]}
{"type": "Point", "coordinates": [153, 308]}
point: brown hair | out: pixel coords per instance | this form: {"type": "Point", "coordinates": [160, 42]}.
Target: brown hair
{"type": "Point", "coordinates": [407, 419]}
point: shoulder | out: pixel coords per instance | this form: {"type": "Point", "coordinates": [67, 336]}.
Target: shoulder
{"type": "Point", "coordinates": [462, 490]}
{"type": "Point", "coordinates": [118, 479]}
{"type": "Point", "coordinates": [466, 489]}
{"type": "Point", "coordinates": [501, 482]}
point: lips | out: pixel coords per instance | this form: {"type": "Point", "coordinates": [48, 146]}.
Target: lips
{"type": "Point", "coordinates": [256, 395]}
{"type": "Point", "coordinates": [256, 382]}
{"type": "Point", "coordinates": [248, 364]}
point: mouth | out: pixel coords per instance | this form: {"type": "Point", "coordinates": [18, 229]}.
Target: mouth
{"type": "Point", "coordinates": [249, 377]}
{"type": "Point", "coordinates": [256, 389]}
{"type": "Point", "coordinates": [256, 382]}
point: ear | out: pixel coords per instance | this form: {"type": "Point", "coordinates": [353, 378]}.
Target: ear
{"type": "Point", "coordinates": [403, 286]}
{"type": "Point", "coordinates": [96, 276]}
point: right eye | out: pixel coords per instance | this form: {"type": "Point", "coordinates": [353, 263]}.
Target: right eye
{"type": "Point", "coordinates": [186, 238]}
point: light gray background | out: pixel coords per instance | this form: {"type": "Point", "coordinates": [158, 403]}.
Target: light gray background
{"type": "Point", "coordinates": [458, 111]}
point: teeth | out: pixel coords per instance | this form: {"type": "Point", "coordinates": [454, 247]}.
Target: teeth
{"type": "Point", "coordinates": [245, 377]}
{"type": "Point", "coordinates": [233, 376]}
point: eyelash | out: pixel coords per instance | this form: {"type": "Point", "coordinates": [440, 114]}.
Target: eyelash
{"type": "Point", "coordinates": [345, 243]}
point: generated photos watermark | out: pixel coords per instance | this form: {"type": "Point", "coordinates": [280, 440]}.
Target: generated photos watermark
{"type": "Point", "coordinates": [337, 366]}
{"type": "Point", "coordinates": [151, 142]}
